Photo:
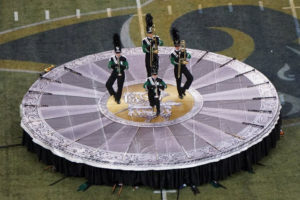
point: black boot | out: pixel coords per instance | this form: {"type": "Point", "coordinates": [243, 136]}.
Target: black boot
{"type": "Point", "coordinates": [183, 91]}
{"type": "Point", "coordinates": [157, 113]}
{"type": "Point", "coordinates": [117, 100]}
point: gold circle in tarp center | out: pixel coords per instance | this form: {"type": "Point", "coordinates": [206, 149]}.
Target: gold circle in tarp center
{"type": "Point", "coordinates": [121, 110]}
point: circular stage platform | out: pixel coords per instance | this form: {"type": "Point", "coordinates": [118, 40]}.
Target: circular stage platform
{"type": "Point", "coordinates": [227, 121]}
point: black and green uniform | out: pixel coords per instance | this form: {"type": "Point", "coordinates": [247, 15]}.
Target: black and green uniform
{"type": "Point", "coordinates": [154, 88]}
{"type": "Point", "coordinates": [113, 64]}
{"type": "Point", "coordinates": [147, 43]}
{"type": "Point", "coordinates": [175, 55]}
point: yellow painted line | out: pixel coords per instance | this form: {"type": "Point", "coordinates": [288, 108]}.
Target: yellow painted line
{"type": "Point", "coordinates": [140, 17]}
{"type": "Point", "coordinates": [243, 45]}
{"type": "Point", "coordinates": [294, 13]}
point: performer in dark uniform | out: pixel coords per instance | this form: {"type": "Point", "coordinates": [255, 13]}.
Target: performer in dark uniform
{"type": "Point", "coordinates": [154, 85]}
{"type": "Point", "coordinates": [150, 45]}
{"type": "Point", "coordinates": [179, 58]}
{"type": "Point", "coordinates": [118, 63]}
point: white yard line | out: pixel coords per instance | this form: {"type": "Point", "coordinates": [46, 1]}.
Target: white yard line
{"type": "Point", "coordinates": [291, 125]}
{"type": "Point", "coordinates": [293, 50]}
{"type": "Point", "coordinates": [200, 9]}
{"type": "Point", "coordinates": [71, 16]}
{"type": "Point", "coordinates": [164, 193]}
{"type": "Point", "coordinates": [19, 70]}
{"type": "Point", "coordinates": [261, 5]}
{"type": "Point", "coordinates": [230, 8]}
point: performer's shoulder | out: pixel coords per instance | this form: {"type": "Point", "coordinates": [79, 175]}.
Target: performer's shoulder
{"type": "Point", "coordinates": [159, 79]}
{"type": "Point", "coordinates": [111, 58]}
{"type": "Point", "coordinates": [124, 57]}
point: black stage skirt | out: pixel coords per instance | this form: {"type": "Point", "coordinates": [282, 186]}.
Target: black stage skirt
{"type": "Point", "coordinates": [166, 179]}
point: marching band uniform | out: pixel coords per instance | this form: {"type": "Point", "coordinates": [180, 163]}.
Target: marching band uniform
{"type": "Point", "coordinates": [177, 57]}
{"type": "Point", "coordinates": [149, 44]}
{"type": "Point", "coordinates": [118, 63]}
{"type": "Point", "coordinates": [154, 85]}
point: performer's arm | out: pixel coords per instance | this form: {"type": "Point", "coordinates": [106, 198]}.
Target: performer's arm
{"type": "Point", "coordinates": [163, 85]}
{"type": "Point", "coordinates": [146, 84]}
{"type": "Point", "coordinates": [124, 63]}
{"type": "Point", "coordinates": [161, 43]}
{"type": "Point", "coordinates": [173, 61]}
{"type": "Point", "coordinates": [111, 64]}
{"type": "Point", "coordinates": [144, 46]}
{"type": "Point", "coordinates": [188, 55]}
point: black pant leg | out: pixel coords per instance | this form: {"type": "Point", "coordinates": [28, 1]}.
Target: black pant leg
{"type": "Point", "coordinates": [189, 78]}
{"type": "Point", "coordinates": [178, 80]}
{"type": "Point", "coordinates": [110, 82]}
{"type": "Point", "coordinates": [157, 103]}
{"type": "Point", "coordinates": [147, 63]}
{"type": "Point", "coordinates": [156, 61]}
{"type": "Point", "coordinates": [120, 80]}
{"type": "Point", "coordinates": [151, 99]}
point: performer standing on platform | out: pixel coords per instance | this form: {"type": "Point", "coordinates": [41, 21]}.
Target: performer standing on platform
{"type": "Point", "coordinates": [150, 45]}
{"type": "Point", "coordinates": [179, 58]}
{"type": "Point", "coordinates": [154, 85]}
{"type": "Point", "coordinates": [118, 63]}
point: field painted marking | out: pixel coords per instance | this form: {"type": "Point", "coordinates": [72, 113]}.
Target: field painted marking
{"type": "Point", "coordinates": [125, 34]}
{"type": "Point", "coordinates": [169, 9]}
{"type": "Point", "coordinates": [243, 44]}
{"type": "Point", "coordinates": [23, 65]}
{"type": "Point", "coordinates": [16, 16]}
{"type": "Point", "coordinates": [72, 16]}
{"type": "Point", "coordinates": [294, 13]}
{"type": "Point", "coordinates": [19, 70]}
{"type": "Point", "coordinates": [281, 73]}
{"type": "Point", "coordinates": [294, 101]}
{"type": "Point", "coordinates": [291, 125]}
{"type": "Point", "coordinates": [200, 9]}
{"type": "Point", "coordinates": [108, 10]}
{"type": "Point", "coordinates": [230, 8]}
{"type": "Point", "coordinates": [164, 193]}
{"type": "Point", "coordinates": [78, 13]}
{"type": "Point", "coordinates": [47, 14]}
{"type": "Point", "coordinates": [293, 50]}
{"type": "Point", "coordinates": [261, 5]}
{"type": "Point", "coordinates": [140, 15]}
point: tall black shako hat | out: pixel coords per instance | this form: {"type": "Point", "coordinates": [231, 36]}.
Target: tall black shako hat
{"type": "Point", "coordinates": [175, 36]}
{"type": "Point", "coordinates": [117, 43]}
{"type": "Point", "coordinates": [149, 23]}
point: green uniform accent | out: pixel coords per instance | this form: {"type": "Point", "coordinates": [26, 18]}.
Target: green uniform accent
{"type": "Point", "coordinates": [122, 63]}
{"type": "Point", "coordinates": [174, 60]}
{"type": "Point", "coordinates": [161, 83]}
{"type": "Point", "coordinates": [146, 47]}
